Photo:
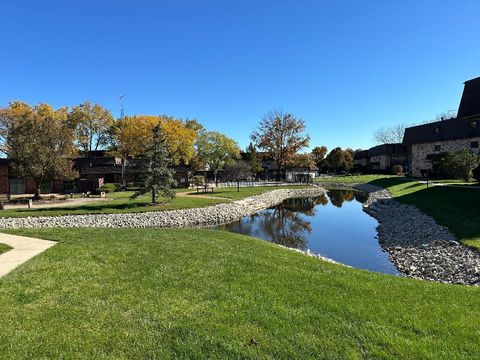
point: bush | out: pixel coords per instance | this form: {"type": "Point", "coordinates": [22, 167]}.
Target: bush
{"type": "Point", "coordinates": [459, 164]}
{"type": "Point", "coordinates": [199, 180]}
{"type": "Point", "coordinates": [109, 187]}
{"type": "Point", "coordinates": [397, 169]}
{"type": "Point", "coordinates": [476, 173]}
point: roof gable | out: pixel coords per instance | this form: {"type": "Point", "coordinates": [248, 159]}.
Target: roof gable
{"type": "Point", "coordinates": [470, 102]}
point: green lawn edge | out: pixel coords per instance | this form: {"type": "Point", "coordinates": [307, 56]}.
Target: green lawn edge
{"type": "Point", "coordinates": [120, 202]}
{"type": "Point", "coordinates": [180, 293]}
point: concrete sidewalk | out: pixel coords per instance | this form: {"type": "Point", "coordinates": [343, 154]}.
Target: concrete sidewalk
{"type": "Point", "coordinates": [23, 249]}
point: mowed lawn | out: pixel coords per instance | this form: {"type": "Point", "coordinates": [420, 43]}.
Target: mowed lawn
{"type": "Point", "coordinates": [357, 179]}
{"type": "Point", "coordinates": [120, 202]}
{"type": "Point", "coordinates": [458, 208]}
{"type": "Point", "coordinates": [4, 248]}
{"type": "Point", "coordinates": [233, 193]}
{"type": "Point", "coordinates": [159, 294]}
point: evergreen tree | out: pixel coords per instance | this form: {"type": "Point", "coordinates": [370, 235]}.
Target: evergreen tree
{"type": "Point", "coordinates": [157, 176]}
{"type": "Point", "coordinates": [253, 160]}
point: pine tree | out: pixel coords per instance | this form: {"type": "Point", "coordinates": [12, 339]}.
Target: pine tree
{"type": "Point", "coordinates": [253, 160]}
{"type": "Point", "coordinates": [157, 176]}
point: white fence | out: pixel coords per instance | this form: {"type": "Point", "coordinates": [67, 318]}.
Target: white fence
{"type": "Point", "coordinates": [256, 183]}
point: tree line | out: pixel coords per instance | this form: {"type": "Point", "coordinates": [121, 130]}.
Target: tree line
{"type": "Point", "coordinates": [41, 141]}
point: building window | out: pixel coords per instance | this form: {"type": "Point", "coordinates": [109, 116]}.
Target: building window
{"type": "Point", "coordinates": [437, 130]}
{"type": "Point", "coordinates": [474, 144]}
{"type": "Point", "coordinates": [473, 124]}
{"type": "Point", "coordinates": [438, 147]}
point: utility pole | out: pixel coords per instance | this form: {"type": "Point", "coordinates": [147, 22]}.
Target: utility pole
{"type": "Point", "coordinates": [122, 109]}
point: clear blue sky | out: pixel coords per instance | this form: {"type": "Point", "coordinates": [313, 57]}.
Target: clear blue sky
{"type": "Point", "coordinates": [346, 67]}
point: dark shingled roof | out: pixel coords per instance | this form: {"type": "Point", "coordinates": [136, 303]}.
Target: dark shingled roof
{"type": "Point", "coordinates": [386, 149]}
{"type": "Point", "coordinates": [363, 154]}
{"type": "Point", "coordinates": [470, 103]}
{"type": "Point", "coordinates": [451, 129]}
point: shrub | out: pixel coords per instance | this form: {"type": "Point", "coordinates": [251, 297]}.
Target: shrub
{"type": "Point", "coordinates": [459, 164]}
{"type": "Point", "coordinates": [397, 169]}
{"type": "Point", "coordinates": [199, 180]}
{"type": "Point", "coordinates": [109, 187]}
{"type": "Point", "coordinates": [476, 173]}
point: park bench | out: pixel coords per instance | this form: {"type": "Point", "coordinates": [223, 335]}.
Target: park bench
{"type": "Point", "coordinates": [205, 188]}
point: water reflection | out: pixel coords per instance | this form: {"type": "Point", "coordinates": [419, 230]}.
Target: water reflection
{"type": "Point", "coordinates": [333, 225]}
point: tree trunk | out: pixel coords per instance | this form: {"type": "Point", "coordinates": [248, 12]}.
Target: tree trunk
{"type": "Point", "coordinates": [154, 196]}
{"type": "Point", "coordinates": [279, 171]}
{"type": "Point", "coordinates": [37, 193]}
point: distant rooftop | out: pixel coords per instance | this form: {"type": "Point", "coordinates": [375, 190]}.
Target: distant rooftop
{"type": "Point", "coordinates": [451, 129]}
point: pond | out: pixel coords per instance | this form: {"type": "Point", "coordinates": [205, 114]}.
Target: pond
{"type": "Point", "coordinates": [332, 225]}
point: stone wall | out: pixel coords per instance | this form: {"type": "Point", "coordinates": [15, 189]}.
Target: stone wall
{"type": "Point", "coordinates": [419, 153]}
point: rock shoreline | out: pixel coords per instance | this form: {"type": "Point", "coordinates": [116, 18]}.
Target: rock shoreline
{"type": "Point", "coordinates": [187, 218]}
{"type": "Point", "coordinates": [419, 247]}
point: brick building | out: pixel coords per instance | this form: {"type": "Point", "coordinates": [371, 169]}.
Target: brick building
{"type": "Point", "coordinates": [94, 170]}
{"type": "Point", "coordinates": [430, 142]}
{"type": "Point", "coordinates": [380, 158]}
{"type": "Point", "coordinates": [384, 157]}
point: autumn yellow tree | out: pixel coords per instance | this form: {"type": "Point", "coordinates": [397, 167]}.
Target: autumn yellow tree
{"type": "Point", "coordinates": [133, 135]}
{"type": "Point", "coordinates": [92, 125]}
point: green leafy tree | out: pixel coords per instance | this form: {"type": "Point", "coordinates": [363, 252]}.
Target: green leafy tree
{"type": "Point", "coordinates": [339, 159]}
{"type": "Point", "coordinates": [94, 126]}
{"type": "Point", "coordinates": [459, 164]}
{"type": "Point", "coordinates": [38, 141]}
{"type": "Point", "coordinates": [238, 170]}
{"type": "Point", "coordinates": [215, 150]}
{"type": "Point", "coordinates": [319, 153]}
{"type": "Point", "coordinates": [281, 135]}
{"type": "Point", "coordinates": [157, 177]}
{"type": "Point", "coordinates": [253, 160]}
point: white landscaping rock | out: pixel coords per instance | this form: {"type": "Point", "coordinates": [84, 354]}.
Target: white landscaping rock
{"type": "Point", "coordinates": [419, 247]}
{"type": "Point", "coordinates": [197, 217]}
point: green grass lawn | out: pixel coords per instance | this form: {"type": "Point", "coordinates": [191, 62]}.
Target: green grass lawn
{"type": "Point", "coordinates": [4, 248]}
{"type": "Point", "coordinates": [120, 202]}
{"type": "Point", "coordinates": [357, 179]}
{"type": "Point", "coordinates": [158, 294]}
{"type": "Point", "coordinates": [458, 208]}
{"type": "Point", "coordinates": [232, 193]}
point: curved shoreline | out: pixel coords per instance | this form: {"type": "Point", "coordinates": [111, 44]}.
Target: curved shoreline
{"type": "Point", "coordinates": [187, 218]}
{"type": "Point", "coordinates": [419, 247]}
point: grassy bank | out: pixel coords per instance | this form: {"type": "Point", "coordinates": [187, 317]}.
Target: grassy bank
{"type": "Point", "coordinates": [355, 179]}
{"type": "Point", "coordinates": [120, 202]}
{"type": "Point", "coordinates": [4, 248]}
{"type": "Point", "coordinates": [207, 294]}
{"type": "Point", "coordinates": [232, 193]}
{"type": "Point", "coordinates": [455, 207]}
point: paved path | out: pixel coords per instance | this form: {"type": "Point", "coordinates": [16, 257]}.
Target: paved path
{"type": "Point", "coordinates": [23, 249]}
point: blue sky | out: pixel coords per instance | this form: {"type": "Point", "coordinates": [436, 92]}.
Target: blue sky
{"type": "Point", "coordinates": [346, 67]}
